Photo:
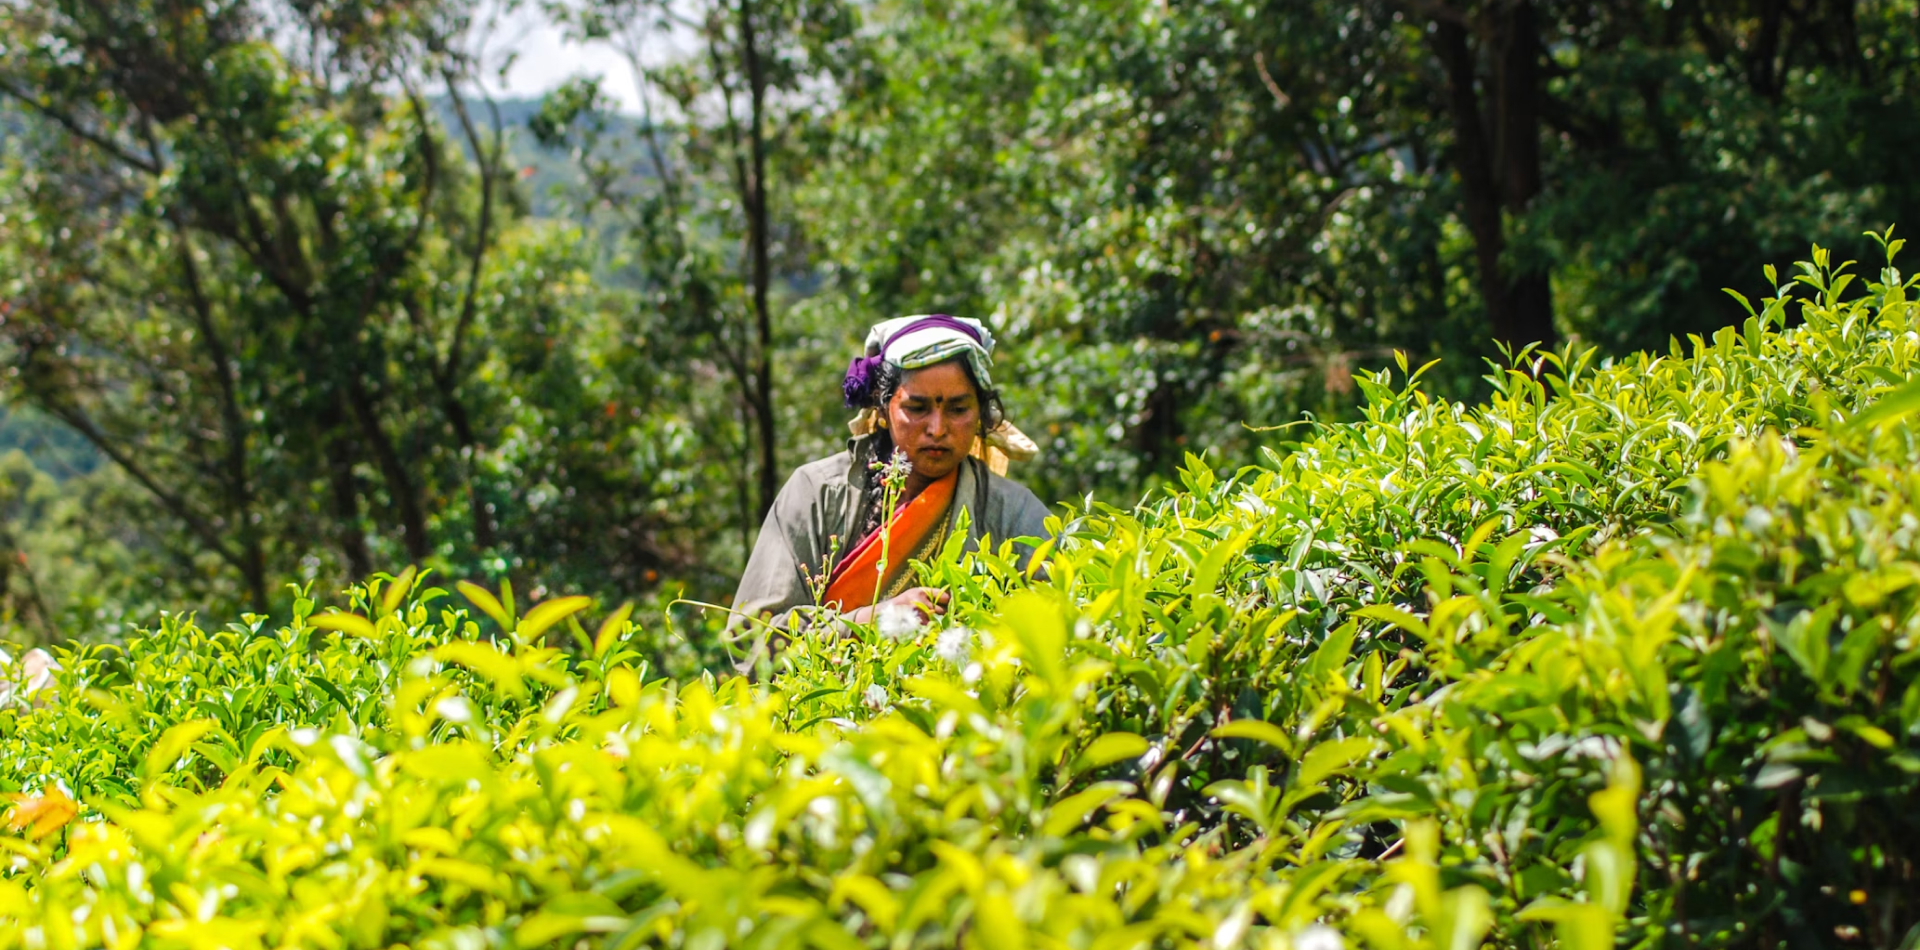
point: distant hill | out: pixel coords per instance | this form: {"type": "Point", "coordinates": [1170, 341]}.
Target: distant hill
{"type": "Point", "coordinates": [545, 178]}
{"type": "Point", "coordinates": [546, 175]}
{"type": "Point", "coordinates": [53, 447]}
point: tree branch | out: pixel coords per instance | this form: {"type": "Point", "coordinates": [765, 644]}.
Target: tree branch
{"type": "Point", "coordinates": [79, 131]}
{"type": "Point", "coordinates": [489, 168]}
{"type": "Point", "coordinates": [1280, 98]}
{"type": "Point", "coordinates": [1436, 10]}
{"type": "Point", "coordinates": [78, 420]}
{"type": "Point", "coordinates": [239, 482]}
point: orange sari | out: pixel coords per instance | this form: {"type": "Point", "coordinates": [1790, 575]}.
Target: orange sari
{"type": "Point", "coordinates": [908, 532]}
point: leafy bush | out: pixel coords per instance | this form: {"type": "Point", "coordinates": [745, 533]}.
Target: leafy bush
{"type": "Point", "coordinates": [1625, 654]}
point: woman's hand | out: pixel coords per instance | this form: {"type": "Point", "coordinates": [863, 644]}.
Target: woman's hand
{"type": "Point", "coordinates": [928, 602]}
{"type": "Point", "coordinates": [931, 602]}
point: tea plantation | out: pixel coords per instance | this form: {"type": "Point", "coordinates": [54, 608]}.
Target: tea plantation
{"type": "Point", "coordinates": [1627, 656]}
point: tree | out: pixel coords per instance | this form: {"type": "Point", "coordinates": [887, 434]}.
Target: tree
{"type": "Point", "coordinates": [1212, 213]}
{"type": "Point", "coordinates": [1564, 115]}
{"type": "Point", "coordinates": [1494, 65]}
{"type": "Point", "coordinates": [232, 265]}
{"type": "Point", "coordinates": [737, 105]}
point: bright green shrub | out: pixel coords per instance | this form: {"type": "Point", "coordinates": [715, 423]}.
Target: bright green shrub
{"type": "Point", "coordinates": [1626, 654]}
{"type": "Point", "coordinates": [248, 684]}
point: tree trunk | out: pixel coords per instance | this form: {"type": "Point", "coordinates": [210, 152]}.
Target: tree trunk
{"type": "Point", "coordinates": [393, 471]}
{"type": "Point", "coordinates": [447, 378]}
{"type": "Point", "coordinates": [470, 449]}
{"type": "Point", "coordinates": [339, 454]}
{"type": "Point", "coordinates": [755, 202]}
{"type": "Point", "coordinates": [253, 566]}
{"type": "Point", "coordinates": [1473, 160]}
{"type": "Point", "coordinates": [1517, 119]}
{"type": "Point", "coordinates": [1762, 69]}
{"type": "Point", "coordinates": [1497, 156]}
{"type": "Point", "coordinates": [11, 553]}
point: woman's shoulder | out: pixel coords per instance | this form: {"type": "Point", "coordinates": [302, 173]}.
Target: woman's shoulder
{"type": "Point", "coordinates": [819, 475]}
{"type": "Point", "coordinates": [1005, 495]}
{"type": "Point", "coordinates": [1004, 485]}
{"type": "Point", "coordinates": [833, 467]}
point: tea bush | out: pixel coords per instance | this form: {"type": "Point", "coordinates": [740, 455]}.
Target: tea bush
{"type": "Point", "coordinates": [1624, 656]}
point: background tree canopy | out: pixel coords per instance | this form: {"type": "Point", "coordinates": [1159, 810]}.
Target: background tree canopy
{"type": "Point", "coordinates": [285, 294]}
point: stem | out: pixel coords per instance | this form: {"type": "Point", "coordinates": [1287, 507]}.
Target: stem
{"type": "Point", "coordinates": [890, 496]}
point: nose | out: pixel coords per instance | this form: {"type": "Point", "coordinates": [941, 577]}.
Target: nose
{"type": "Point", "coordinates": [937, 423]}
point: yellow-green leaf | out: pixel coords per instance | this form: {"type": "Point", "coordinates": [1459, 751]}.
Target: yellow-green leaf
{"type": "Point", "coordinates": [549, 612]}
{"type": "Point", "coordinates": [456, 871]}
{"type": "Point", "coordinates": [397, 590]}
{"type": "Point", "coordinates": [1109, 749]}
{"type": "Point", "coordinates": [1067, 813]}
{"type": "Point", "coordinates": [486, 661]}
{"type": "Point", "coordinates": [174, 743]}
{"type": "Point", "coordinates": [1328, 758]}
{"type": "Point", "coordinates": [1259, 730]}
{"type": "Point", "coordinates": [1395, 616]}
{"type": "Point", "coordinates": [352, 624]}
{"type": "Point", "coordinates": [871, 895]}
{"type": "Point", "coordinates": [1578, 926]}
{"type": "Point", "coordinates": [1900, 402]}
{"type": "Point", "coordinates": [610, 628]}
{"type": "Point", "coordinates": [488, 604]}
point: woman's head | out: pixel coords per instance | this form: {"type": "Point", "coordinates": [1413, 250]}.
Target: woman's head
{"type": "Point", "coordinates": [929, 381]}
{"type": "Point", "coordinates": [934, 413]}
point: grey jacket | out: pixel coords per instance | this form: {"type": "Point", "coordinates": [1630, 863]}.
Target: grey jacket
{"type": "Point", "coordinates": [824, 499]}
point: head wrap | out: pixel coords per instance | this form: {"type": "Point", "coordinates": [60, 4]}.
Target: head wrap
{"type": "Point", "coordinates": [919, 341]}
{"type": "Point", "coordinates": [915, 342]}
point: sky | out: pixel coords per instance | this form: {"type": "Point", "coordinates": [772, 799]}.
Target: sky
{"type": "Point", "coordinates": [546, 59]}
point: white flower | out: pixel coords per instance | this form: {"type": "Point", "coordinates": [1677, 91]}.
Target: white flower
{"type": "Point", "coordinates": [1318, 937]}
{"type": "Point", "coordinates": [454, 709]}
{"type": "Point", "coordinates": [898, 621]}
{"type": "Point", "coordinates": [875, 697]}
{"type": "Point", "coordinates": [893, 471]}
{"type": "Point", "coordinates": [348, 750]}
{"type": "Point", "coordinates": [955, 645]}
{"type": "Point", "coordinates": [36, 671]}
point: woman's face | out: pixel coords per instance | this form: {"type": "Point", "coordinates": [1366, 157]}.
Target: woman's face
{"type": "Point", "coordinates": [934, 416]}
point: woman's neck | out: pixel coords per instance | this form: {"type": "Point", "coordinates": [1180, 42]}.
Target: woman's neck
{"type": "Point", "coordinates": [916, 483]}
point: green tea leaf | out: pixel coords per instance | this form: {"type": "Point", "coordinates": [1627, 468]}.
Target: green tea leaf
{"type": "Point", "coordinates": [1108, 749]}
{"type": "Point", "coordinates": [549, 612]}
{"type": "Point", "coordinates": [482, 598]}
{"type": "Point", "coordinates": [1897, 404]}
{"type": "Point", "coordinates": [351, 624]}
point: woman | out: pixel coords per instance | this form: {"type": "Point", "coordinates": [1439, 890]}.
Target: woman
{"type": "Point", "coordinates": [924, 391]}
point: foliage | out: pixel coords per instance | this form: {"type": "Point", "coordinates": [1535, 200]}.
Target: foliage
{"type": "Point", "coordinates": [318, 303]}
{"type": "Point", "coordinates": [1623, 654]}
{"type": "Point", "coordinates": [1189, 216]}
{"type": "Point", "coordinates": [692, 199]}
{"type": "Point", "coordinates": [293, 303]}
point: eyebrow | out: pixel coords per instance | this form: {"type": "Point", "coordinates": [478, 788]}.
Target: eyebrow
{"type": "Point", "coordinates": [920, 397]}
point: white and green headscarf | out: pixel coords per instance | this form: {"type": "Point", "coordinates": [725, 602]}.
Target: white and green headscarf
{"type": "Point", "coordinates": [915, 342]}
{"type": "Point", "coordinates": [918, 341]}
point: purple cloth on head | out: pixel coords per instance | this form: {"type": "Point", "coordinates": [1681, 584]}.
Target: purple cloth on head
{"type": "Point", "coordinates": [857, 387]}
